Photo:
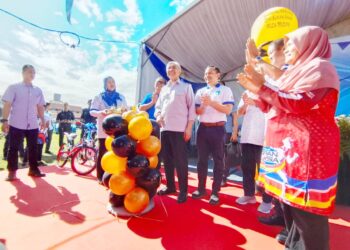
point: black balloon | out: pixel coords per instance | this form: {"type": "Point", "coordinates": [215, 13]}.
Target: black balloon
{"type": "Point", "coordinates": [138, 165]}
{"type": "Point", "coordinates": [105, 179]}
{"type": "Point", "coordinates": [155, 128]}
{"type": "Point", "coordinates": [124, 146]}
{"type": "Point", "coordinates": [150, 181]}
{"type": "Point", "coordinates": [116, 200]}
{"type": "Point", "coordinates": [115, 125]}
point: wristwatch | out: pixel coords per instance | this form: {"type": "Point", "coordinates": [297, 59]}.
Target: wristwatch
{"type": "Point", "coordinates": [3, 120]}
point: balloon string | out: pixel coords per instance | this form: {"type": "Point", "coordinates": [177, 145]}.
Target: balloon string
{"type": "Point", "coordinates": [58, 212]}
{"type": "Point", "coordinates": [165, 210]}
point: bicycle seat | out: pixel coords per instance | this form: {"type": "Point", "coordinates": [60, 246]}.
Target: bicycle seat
{"type": "Point", "coordinates": [71, 136]}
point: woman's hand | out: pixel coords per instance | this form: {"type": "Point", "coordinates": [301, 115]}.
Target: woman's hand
{"type": "Point", "coordinates": [247, 83]}
{"type": "Point", "coordinates": [234, 137]}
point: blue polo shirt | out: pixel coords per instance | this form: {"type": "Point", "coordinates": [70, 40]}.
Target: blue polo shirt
{"type": "Point", "coordinates": [150, 111]}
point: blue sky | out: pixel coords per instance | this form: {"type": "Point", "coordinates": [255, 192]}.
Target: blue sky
{"type": "Point", "coordinates": [77, 73]}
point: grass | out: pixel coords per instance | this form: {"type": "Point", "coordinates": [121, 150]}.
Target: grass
{"type": "Point", "coordinates": [49, 159]}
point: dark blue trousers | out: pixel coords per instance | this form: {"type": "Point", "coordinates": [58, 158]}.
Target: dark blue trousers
{"type": "Point", "coordinates": [210, 141]}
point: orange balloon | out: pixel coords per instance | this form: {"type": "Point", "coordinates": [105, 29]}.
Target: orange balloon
{"type": "Point", "coordinates": [112, 163]}
{"type": "Point", "coordinates": [136, 201]}
{"type": "Point", "coordinates": [149, 147]}
{"type": "Point", "coordinates": [143, 113]}
{"type": "Point", "coordinates": [128, 115]}
{"type": "Point", "coordinates": [121, 183]}
{"type": "Point", "coordinates": [140, 128]}
{"type": "Point", "coordinates": [153, 161]}
{"type": "Point", "coordinates": [108, 143]}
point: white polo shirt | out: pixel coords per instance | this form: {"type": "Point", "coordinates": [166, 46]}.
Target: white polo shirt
{"type": "Point", "coordinates": [253, 126]}
{"type": "Point", "coordinates": [219, 93]}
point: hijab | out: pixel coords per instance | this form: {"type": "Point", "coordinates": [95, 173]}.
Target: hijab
{"type": "Point", "coordinates": [110, 97]}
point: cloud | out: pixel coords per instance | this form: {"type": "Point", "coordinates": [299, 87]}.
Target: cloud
{"type": "Point", "coordinates": [92, 25]}
{"type": "Point", "coordinates": [76, 74]}
{"type": "Point", "coordinates": [74, 21]}
{"type": "Point", "coordinates": [131, 16]}
{"type": "Point", "coordinates": [123, 34]}
{"type": "Point", "coordinates": [180, 4]}
{"type": "Point", "coordinates": [58, 13]}
{"type": "Point", "coordinates": [90, 8]}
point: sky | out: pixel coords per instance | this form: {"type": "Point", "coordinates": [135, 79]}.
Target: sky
{"type": "Point", "coordinates": [77, 74]}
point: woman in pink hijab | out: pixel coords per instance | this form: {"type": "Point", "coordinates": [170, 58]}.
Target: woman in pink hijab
{"type": "Point", "coordinates": [300, 158]}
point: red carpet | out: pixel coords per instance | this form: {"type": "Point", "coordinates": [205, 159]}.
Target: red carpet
{"type": "Point", "coordinates": [65, 211]}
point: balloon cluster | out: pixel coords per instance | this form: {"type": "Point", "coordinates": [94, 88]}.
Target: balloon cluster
{"type": "Point", "coordinates": [131, 160]}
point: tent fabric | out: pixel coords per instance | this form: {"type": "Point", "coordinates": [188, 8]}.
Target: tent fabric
{"type": "Point", "coordinates": [214, 32]}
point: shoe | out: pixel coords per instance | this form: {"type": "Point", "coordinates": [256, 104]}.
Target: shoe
{"type": "Point", "coordinates": [246, 200]}
{"type": "Point", "coordinates": [36, 173]}
{"type": "Point", "coordinates": [198, 194]}
{"type": "Point", "coordinates": [265, 207]}
{"type": "Point", "coordinates": [223, 183]}
{"type": "Point", "coordinates": [182, 198]}
{"type": "Point", "coordinates": [166, 191]}
{"type": "Point", "coordinates": [214, 199]}
{"type": "Point", "coordinates": [48, 152]}
{"type": "Point", "coordinates": [274, 220]}
{"type": "Point", "coordinates": [41, 163]}
{"type": "Point", "coordinates": [282, 236]}
{"type": "Point", "coordinates": [12, 176]}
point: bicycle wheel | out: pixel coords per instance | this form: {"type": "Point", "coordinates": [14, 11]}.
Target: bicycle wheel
{"type": "Point", "coordinates": [62, 156]}
{"type": "Point", "coordinates": [84, 160]}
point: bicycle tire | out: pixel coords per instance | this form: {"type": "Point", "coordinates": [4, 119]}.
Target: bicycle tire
{"type": "Point", "coordinates": [76, 155]}
{"type": "Point", "coordinates": [62, 156]}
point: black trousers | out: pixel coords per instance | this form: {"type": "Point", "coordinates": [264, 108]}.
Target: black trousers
{"type": "Point", "coordinates": [174, 154]}
{"type": "Point", "coordinates": [251, 155]}
{"type": "Point", "coordinates": [39, 153]}
{"type": "Point", "coordinates": [306, 231]}
{"type": "Point", "coordinates": [210, 141]}
{"type": "Point", "coordinates": [7, 146]}
{"type": "Point", "coordinates": [61, 130]}
{"type": "Point", "coordinates": [49, 139]}
{"type": "Point", "coordinates": [16, 136]}
{"type": "Point", "coordinates": [227, 167]}
{"type": "Point", "coordinates": [101, 151]}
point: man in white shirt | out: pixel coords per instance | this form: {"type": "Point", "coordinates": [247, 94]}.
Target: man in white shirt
{"type": "Point", "coordinates": [213, 103]}
{"type": "Point", "coordinates": [175, 112]}
{"type": "Point", "coordinates": [49, 126]}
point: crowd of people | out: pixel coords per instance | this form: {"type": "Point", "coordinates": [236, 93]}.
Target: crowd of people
{"type": "Point", "coordinates": [288, 137]}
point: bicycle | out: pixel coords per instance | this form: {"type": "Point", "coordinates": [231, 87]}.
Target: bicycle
{"type": "Point", "coordinates": [83, 156]}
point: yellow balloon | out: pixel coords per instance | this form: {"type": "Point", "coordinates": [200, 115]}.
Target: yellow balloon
{"type": "Point", "coordinates": [140, 128]}
{"type": "Point", "coordinates": [108, 143]}
{"type": "Point", "coordinates": [128, 115]}
{"type": "Point", "coordinates": [113, 164]}
{"type": "Point", "coordinates": [273, 24]}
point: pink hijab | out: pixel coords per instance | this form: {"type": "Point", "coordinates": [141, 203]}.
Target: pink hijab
{"type": "Point", "coordinates": [313, 69]}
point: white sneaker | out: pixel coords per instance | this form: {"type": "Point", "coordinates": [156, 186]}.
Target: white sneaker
{"type": "Point", "coordinates": [246, 200]}
{"type": "Point", "coordinates": [265, 207]}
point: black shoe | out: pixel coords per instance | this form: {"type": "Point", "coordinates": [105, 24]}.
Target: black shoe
{"type": "Point", "coordinates": [36, 173]}
{"type": "Point", "coordinates": [214, 199]}
{"type": "Point", "coordinates": [182, 198]}
{"type": "Point", "coordinates": [274, 220]}
{"type": "Point", "coordinates": [166, 191]}
{"type": "Point", "coordinates": [198, 194]}
{"type": "Point", "coordinates": [48, 152]}
{"type": "Point", "coordinates": [41, 163]}
{"type": "Point", "coordinates": [282, 236]}
{"type": "Point", "coordinates": [12, 176]}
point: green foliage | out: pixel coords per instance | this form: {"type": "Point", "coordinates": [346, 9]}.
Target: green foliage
{"type": "Point", "coordinates": [344, 126]}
